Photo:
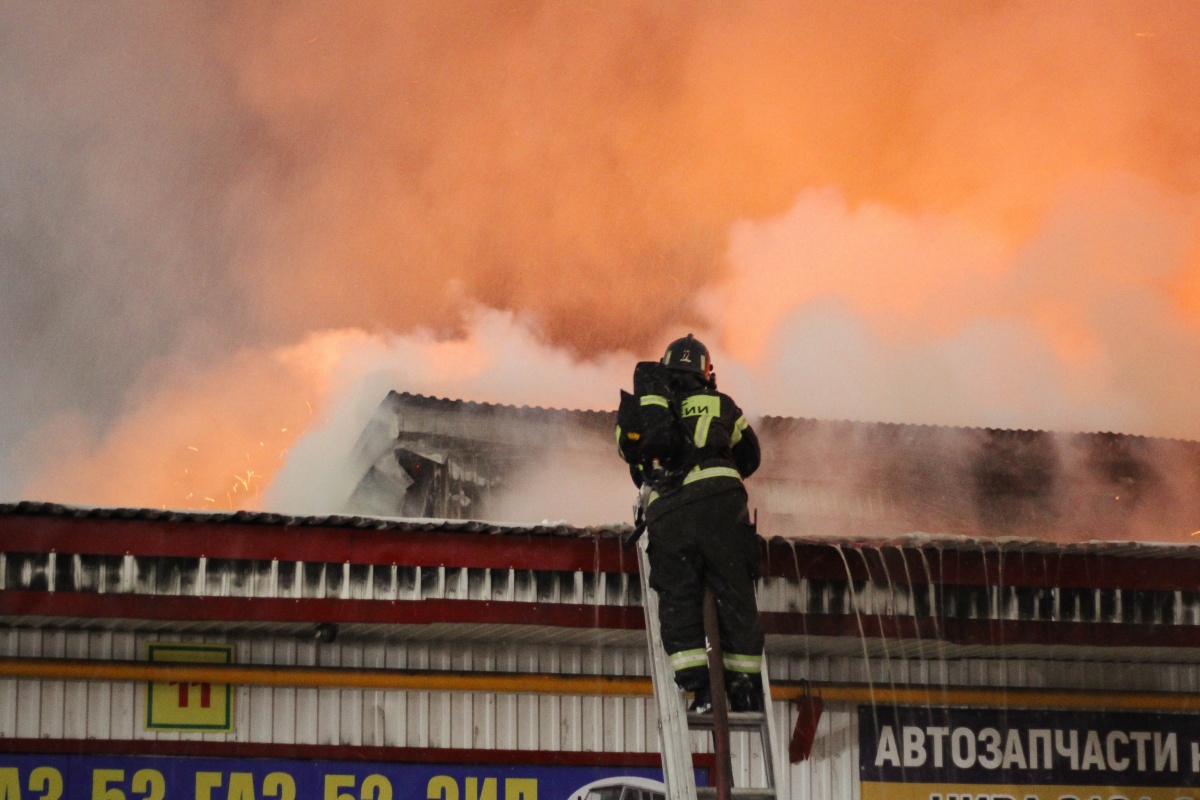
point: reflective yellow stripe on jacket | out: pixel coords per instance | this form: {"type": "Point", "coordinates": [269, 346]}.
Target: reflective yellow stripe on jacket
{"type": "Point", "coordinates": [738, 428]}
{"type": "Point", "coordinates": [737, 662]}
{"type": "Point", "coordinates": [698, 474]}
{"type": "Point", "coordinates": [685, 659]}
{"type": "Point", "coordinates": [702, 426]}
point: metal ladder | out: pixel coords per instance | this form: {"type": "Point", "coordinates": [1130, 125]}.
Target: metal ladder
{"type": "Point", "coordinates": [675, 724]}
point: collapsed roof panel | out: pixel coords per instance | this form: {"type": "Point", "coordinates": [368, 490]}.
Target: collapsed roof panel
{"type": "Point", "coordinates": [423, 456]}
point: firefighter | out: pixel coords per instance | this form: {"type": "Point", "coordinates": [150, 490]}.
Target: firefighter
{"type": "Point", "coordinates": [700, 532]}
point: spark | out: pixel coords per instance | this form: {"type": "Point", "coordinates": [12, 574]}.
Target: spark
{"type": "Point", "coordinates": [193, 448]}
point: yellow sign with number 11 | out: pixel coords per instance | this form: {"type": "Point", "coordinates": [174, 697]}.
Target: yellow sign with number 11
{"type": "Point", "coordinates": [182, 706]}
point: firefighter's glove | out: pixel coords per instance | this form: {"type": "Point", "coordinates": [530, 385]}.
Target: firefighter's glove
{"type": "Point", "coordinates": [630, 539]}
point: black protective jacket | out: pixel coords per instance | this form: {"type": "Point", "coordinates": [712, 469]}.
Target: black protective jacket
{"type": "Point", "coordinates": [725, 447]}
{"type": "Point", "coordinates": [700, 533]}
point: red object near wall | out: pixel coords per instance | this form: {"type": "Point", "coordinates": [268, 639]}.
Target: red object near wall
{"type": "Point", "coordinates": [810, 709]}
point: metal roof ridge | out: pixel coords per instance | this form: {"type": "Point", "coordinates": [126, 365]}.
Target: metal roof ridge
{"type": "Point", "coordinates": [487, 404]}
{"type": "Point", "coordinates": [790, 419]}
{"type": "Point", "coordinates": [779, 418]}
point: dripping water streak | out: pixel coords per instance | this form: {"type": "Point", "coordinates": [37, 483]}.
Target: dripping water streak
{"type": "Point", "coordinates": [862, 635]}
{"type": "Point", "coordinates": [933, 615]}
{"type": "Point", "coordinates": [937, 609]}
{"type": "Point", "coordinates": [1001, 618]}
{"type": "Point", "coordinates": [807, 664]}
{"type": "Point", "coordinates": [912, 600]}
{"type": "Point", "coordinates": [927, 679]}
{"type": "Point", "coordinates": [881, 611]}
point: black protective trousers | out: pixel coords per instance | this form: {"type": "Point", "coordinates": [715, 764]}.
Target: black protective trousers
{"type": "Point", "coordinates": [708, 539]}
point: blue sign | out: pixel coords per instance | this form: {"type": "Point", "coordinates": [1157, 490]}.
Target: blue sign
{"type": "Point", "coordinates": [98, 777]}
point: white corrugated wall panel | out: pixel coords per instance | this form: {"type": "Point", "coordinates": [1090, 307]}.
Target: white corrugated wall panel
{"type": "Point", "coordinates": [73, 709]}
{"type": "Point", "coordinates": [110, 710]}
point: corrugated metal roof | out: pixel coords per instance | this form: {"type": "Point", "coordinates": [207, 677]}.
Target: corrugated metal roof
{"type": "Point", "coordinates": [608, 417]}
{"type": "Point", "coordinates": [900, 427]}
{"type": "Point", "coordinates": [844, 479]}
{"type": "Point", "coordinates": [539, 412]}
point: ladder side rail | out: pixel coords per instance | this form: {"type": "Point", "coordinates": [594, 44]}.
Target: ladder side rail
{"type": "Point", "coordinates": [720, 703]}
{"type": "Point", "coordinates": [774, 765]}
{"type": "Point", "coordinates": [674, 737]}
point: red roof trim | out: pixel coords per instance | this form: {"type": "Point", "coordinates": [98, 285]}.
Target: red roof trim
{"type": "Point", "coordinates": [311, 610]}
{"type": "Point", "coordinates": [39, 534]}
{"type": "Point", "coordinates": [985, 565]}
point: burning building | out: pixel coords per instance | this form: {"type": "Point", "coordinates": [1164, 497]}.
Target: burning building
{"type": "Point", "coordinates": [430, 457]}
{"type": "Point", "coordinates": [936, 625]}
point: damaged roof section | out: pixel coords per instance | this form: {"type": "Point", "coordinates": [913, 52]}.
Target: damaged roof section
{"type": "Point", "coordinates": [430, 457]}
{"type": "Point", "coordinates": [78, 567]}
{"type": "Point", "coordinates": [426, 457]}
{"type": "Point", "coordinates": [887, 479]}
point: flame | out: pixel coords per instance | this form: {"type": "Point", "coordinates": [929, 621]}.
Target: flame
{"type": "Point", "coordinates": [176, 448]}
{"type": "Point", "coordinates": [938, 212]}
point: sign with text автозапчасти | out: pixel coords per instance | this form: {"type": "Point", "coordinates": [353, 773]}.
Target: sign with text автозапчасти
{"type": "Point", "coordinates": [923, 753]}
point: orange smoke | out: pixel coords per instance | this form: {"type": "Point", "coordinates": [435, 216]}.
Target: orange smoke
{"type": "Point", "coordinates": [196, 439]}
{"type": "Point", "coordinates": [584, 163]}
{"type": "Point", "coordinates": [613, 173]}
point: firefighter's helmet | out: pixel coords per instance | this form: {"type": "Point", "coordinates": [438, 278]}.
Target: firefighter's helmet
{"type": "Point", "coordinates": [688, 355]}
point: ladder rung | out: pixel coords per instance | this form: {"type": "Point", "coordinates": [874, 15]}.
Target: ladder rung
{"type": "Point", "coordinates": [740, 792]}
{"type": "Point", "coordinates": [738, 721]}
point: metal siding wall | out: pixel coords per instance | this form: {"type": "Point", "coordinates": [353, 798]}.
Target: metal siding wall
{"type": "Point", "coordinates": [71, 709]}
{"type": "Point", "coordinates": [99, 710]}
{"type": "Point", "coordinates": [831, 770]}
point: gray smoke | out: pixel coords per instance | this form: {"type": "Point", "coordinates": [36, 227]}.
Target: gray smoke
{"type": "Point", "coordinates": [127, 181]}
